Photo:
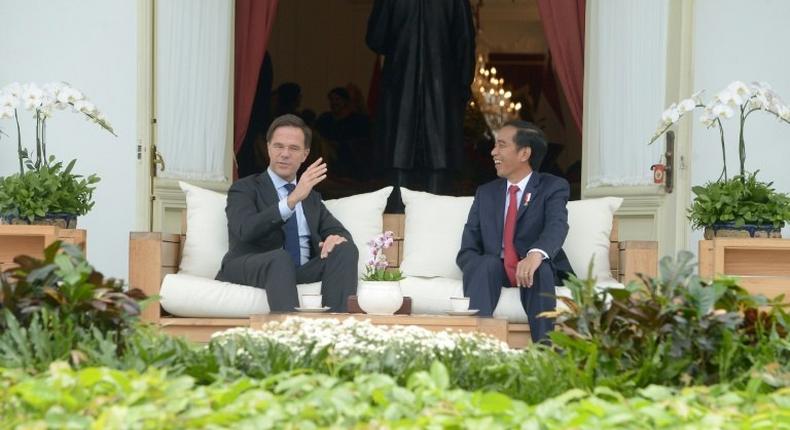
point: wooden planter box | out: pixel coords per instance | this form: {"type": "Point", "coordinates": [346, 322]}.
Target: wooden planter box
{"type": "Point", "coordinates": [762, 265]}
{"type": "Point", "coordinates": [32, 239]}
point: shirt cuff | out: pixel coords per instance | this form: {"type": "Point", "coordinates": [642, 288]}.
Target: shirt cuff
{"type": "Point", "coordinates": [542, 252]}
{"type": "Point", "coordinates": [285, 211]}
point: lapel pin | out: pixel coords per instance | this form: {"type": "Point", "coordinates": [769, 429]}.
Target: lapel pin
{"type": "Point", "coordinates": [527, 198]}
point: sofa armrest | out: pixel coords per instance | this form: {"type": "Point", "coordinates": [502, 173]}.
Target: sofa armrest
{"type": "Point", "coordinates": [637, 256]}
{"type": "Point", "coordinates": [151, 257]}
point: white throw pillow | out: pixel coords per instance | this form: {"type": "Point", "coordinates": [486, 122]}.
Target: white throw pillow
{"type": "Point", "coordinates": [432, 236]}
{"type": "Point", "coordinates": [207, 232]}
{"type": "Point", "coordinates": [361, 215]}
{"type": "Point", "coordinates": [590, 223]}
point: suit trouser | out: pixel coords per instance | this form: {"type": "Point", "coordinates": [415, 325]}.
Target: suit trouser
{"type": "Point", "coordinates": [484, 277]}
{"type": "Point", "coordinates": [275, 272]}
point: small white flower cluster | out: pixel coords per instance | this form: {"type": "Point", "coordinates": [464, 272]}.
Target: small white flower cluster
{"type": "Point", "coordinates": [44, 100]}
{"type": "Point", "coordinates": [738, 96]}
{"type": "Point", "coordinates": [353, 337]}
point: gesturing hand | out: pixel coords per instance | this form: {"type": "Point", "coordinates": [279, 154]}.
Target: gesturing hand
{"type": "Point", "coordinates": [329, 244]}
{"type": "Point", "coordinates": [525, 271]}
{"type": "Point", "coordinates": [314, 174]}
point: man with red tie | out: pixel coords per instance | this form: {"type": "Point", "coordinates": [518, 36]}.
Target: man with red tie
{"type": "Point", "coordinates": [515, 230]}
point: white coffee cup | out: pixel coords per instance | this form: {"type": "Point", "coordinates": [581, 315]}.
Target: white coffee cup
{"type": "Point", "coordinates": [459, 304]}
{"type": "Point", "coordinates": [311, 301]}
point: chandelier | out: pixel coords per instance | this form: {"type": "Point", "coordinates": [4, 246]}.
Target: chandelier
{"type": "Point", "coordinates": [492, 96]}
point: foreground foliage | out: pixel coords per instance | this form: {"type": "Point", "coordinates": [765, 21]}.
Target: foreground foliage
{"type": "Point", "coordinates": [604, 370]}
{"type": "Point", "coordinates": [65, 285]}
{"type": "Point", "coordinates": [108, 399]}
{"type": "Point", "coordinates": [676, 329]}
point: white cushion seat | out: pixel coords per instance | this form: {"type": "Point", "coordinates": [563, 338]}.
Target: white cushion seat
{"type": "Point", "coordinates": [199, 297]}
{"type": "Point", "coordinates": [432, 237]}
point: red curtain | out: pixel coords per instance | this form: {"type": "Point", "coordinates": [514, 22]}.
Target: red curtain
{"type": "Point", "coordinates": [563, 22]}
{"type": "Point", "coordinates": [254, 21]}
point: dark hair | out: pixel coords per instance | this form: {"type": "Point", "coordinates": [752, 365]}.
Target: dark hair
{"type": "Point", "coordinates": [288, 92]}
{"type": "Point", "coordinates": [290, 120]}
{"type": "Point", "coordinates": [528, 135]}
{"type": "Point", "coordinates": [340, 92]}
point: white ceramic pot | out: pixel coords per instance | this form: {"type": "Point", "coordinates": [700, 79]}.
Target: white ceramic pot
{"type": "Point", "coordinates": [379, 297]}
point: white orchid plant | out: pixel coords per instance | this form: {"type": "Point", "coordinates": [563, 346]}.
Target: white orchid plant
{"type": "Point", "coordinates": [737, 98]}
{"type": "Point", "coordinates": [42, 102]}
{"type": "Point", "coordinates": [377, 264]}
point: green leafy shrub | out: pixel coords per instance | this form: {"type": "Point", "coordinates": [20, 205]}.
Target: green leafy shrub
{"type": "Point", "coordinates": [105, 398]}
{"type": "Point", "coordinates": [65, 284]}
{"type": "Point", "coordinates": [740, 200]}
{"type": "Point", "coordinates": [674, 330]}
{"type": "Point", "coordinates": [46, 189]}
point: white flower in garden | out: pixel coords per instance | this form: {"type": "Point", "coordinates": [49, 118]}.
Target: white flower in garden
{"type": "Point", "coordinates": [353, 337]}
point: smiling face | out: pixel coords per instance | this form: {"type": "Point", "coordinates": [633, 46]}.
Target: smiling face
{"type": "Point", "coordinates": [510, 161]}
{"type": "Point", "coordinates": [287, 151]}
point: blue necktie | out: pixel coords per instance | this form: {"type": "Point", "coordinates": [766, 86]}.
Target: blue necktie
{"type": "Point", "coordinates": [292, 234]}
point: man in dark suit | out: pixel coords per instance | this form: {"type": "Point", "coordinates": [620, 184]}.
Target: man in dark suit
{"type": "Point", "coordinates": [516, 228]}
{"type": "Point", "coordinates": [280, 232]}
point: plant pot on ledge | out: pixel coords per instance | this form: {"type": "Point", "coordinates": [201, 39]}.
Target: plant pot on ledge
{"type": "Point", "coordinates": [729, 229]}
{"type": "Point", "coordinates": [60, 220]}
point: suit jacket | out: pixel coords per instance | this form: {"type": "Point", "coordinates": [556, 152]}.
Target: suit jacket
{"type": "Point", "coordinates": [255, 224]}
{"type": "Point", "coordinates": [542, 224]}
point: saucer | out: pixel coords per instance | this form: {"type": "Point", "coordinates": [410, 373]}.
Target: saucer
{"type": "Point", "coordinates": [463, 313]}
{"type": "Point", "coordinates": [312, 310]}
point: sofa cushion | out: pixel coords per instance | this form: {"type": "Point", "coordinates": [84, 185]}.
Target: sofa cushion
{"type": "Point", "coordinates": [207, 232]}
{"type": "Point", "coordinates": [200, 297]}
{"type": "Point", "coordinates": [432, 233]}
{"type": "Point", "coordinates": [432, 296]}
{"type": "Point", "coordinates": [434, 226]}
{"type": "Point", "coordinates": [361, 215]}
{"type": "Point", "coordinates": [207, 226]}
{"type": "Point", "coordinates": [590, 225]}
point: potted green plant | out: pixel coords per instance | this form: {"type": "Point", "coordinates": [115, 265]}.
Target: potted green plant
{"type": "Point", "coordinates": [738, 206]}
{"type": "Point", "coordinates": [44, 191]}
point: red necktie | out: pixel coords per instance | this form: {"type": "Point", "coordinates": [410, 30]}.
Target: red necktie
{"type": "Point", "coordinates": [511, 258]}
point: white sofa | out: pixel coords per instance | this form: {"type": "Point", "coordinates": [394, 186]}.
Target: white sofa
{"type": "Point", "coordinates": [431, 239]}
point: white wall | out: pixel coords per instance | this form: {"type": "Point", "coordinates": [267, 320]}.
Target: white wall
{"type": "Point", "coordinates": [92, 44]}
{"type": "Point", "coordinates": [747, 41]}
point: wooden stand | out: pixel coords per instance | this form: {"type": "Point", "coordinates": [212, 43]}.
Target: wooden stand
{"type": "Point", "coordinates": [32, 239]}
{"type": "Point", "coordinates": [762, 265]}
